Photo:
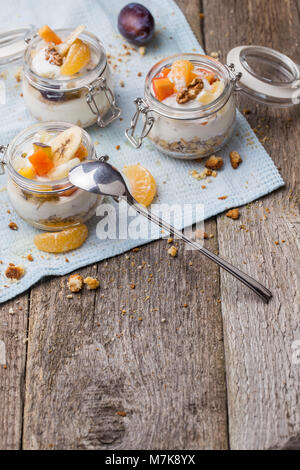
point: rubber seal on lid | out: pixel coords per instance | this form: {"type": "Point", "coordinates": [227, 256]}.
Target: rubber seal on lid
{"type": "Point", "coordinates": [267, 76]}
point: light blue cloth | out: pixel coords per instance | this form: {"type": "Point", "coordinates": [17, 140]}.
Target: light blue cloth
{"type": "Point", "coordinates": [256, 176]}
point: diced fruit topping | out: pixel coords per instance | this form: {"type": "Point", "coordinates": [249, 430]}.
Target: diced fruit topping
{"type": "Point", "coordinates": [208, 75]}
{"type": "Point", "coordinates": [164, 72]}
{"type": "Point", "coordinates": [78, 56]}
{"type": "Point", "coordinates": [27, 172]}
{"type": "Point", "coordinates": [142, 183]}
{"type": "Point", "coordinates": [60, 242]}
{"type": "Point", "coordinates": [49, 35]}
{"type": "Point", "coordinates": [215, 91]}
{"type": "Point", "coordinates": [81, 153]}
{"type": "Point", "coordinates": [206, 97]}
{"type": "Point", "coordinates": [65, 46]}
{"type": "Point", "coordinates": [65, 145]}
{"type": "Point", "coordinates": [62, 171]}
{"type": "Point", "coordinates": [41, 162]}
{"type": "Point", "coordinates": [162, 87]}
{"type": "Point", "coordinates": [182, 73]}
{"type": "Point", "coordinates": [217, 88]}
{"type": "Point", "coordinates": [41, 146]}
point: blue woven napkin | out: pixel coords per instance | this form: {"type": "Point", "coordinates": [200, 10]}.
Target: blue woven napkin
{"type": "Point", "coordinates": [256, 176]}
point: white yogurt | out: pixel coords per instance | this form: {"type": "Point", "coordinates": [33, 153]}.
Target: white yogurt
{"type": "Point", "coordinates": [76, 110]}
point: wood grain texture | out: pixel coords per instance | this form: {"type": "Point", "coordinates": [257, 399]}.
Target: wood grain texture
{"type": "Point", "coordinates": [159, 361]}
{"type": "Point", "coordinates": [262, 381]}
{"type": "Point", "coordinates": [13, 334]}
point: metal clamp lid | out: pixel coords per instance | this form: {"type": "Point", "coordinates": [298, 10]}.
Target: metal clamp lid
{"type": "Point", "coordinates": [13, 43]}
{"type": "Point", "coordinates": [141, 108]}
{"type": "Point", "coordinates": [95, 88]}
{"type": "Point", "coordinates": [266, 75]}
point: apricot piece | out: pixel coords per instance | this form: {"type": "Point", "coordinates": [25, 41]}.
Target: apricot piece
{"type": "Point", "coordinates": [162, 87]}
{"type": "Point", "coordinates": [41, 162]}
{"type": "Point", "coordinates": [46, 33]}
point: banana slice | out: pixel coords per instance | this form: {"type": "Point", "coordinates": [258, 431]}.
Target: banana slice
{"type": "Point", "coordinates": [62, 171]}
{"type": "Point", "coordinates": [65, 145]}
{"type": "Point", "coordinates": [63, 48]}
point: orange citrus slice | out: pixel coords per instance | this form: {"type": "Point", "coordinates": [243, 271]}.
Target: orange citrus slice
{"type": "Point", "coordinates": [142, 183]}
{"type": "Point", "coordinates": [78, 56]}
{"type": "Point", "coordinates": [60, 242]}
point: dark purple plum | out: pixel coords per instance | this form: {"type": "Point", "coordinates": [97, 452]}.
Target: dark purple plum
{"type": "Point", "coordinates": [136, 24]}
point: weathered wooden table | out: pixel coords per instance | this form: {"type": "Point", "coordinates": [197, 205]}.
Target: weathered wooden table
{"type": "Point", "coordinates": [219, 373]}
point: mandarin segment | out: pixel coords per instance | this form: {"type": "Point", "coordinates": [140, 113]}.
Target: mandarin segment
{"type": "Point", "coordinates": [78, 56]}
{"type": "Point", "coordinates": [142, 184]}
{"type": "Point", "coordinates": [46, 33]}
{"type": "Point", "coordinates": [61, 242]}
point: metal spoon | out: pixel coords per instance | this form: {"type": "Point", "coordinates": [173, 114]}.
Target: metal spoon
{"type": "Point", "coordinates": [98, 176]}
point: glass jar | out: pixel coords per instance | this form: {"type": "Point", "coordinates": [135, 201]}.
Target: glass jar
{"type": "Point", "coordinates": [47, 205]}
{"type": "Point", "coordinates": [265, 75]}
{"type": "Point", "coordinates": [83, 100]}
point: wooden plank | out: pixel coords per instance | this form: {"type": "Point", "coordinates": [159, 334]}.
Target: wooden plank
{"type": "Point", "coordinates": [160, 362]}
{"type": "Point", "coordinates": [262, 380]}
{"type": "Point", "coordinates": [13, 334]}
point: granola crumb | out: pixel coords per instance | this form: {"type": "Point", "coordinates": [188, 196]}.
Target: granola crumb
{"type": "Point", "coordinates": [142, 50]}
{"type": "Point", "coordinates": [214, 163]}
{"type": "Point", "coordinates": [14, 272]}
{"type": "Point", "coordinates": [75, 283]}
{"type": "Point", "coordinates": [13, 226]}
{"type": "Point", "coordinates": [172, 251]}
{"type": "Point", "coordinates": [139, 74]}
{"type": "Point", "coordinates": [170, 240]}
{"type": "Point", "coordinates": [222, 198]}
{"type": "Point", "coordinates": [53, 56]}
{"type": "Point", "coordinates": [8, 211]}
{"type": "Point", "coordinates": [118, 147]}
{"type": "Point", "coordinates": [132, 286]}
{"type": "Point", "coordinates": [91, 283]}
{"type": "Point", "coordinates": [201, 15]}
{"type": "Point", "coordinates": [201, 234]}
{"type": "Point", "coordinates": [122, 84]}
{"type": "Point", "coordinates": [18, 74]}
{"type": "Point", "coordinates": [30, 257]}
{"type": "Point", "coordinates": [121, 413]}
{"type": "Point", "coordinates": [135, 250]}
{"type": "Point", "coordinates": [233, 214]}
{"type": "Point", "coordinates": [69, 296]}
{"type": "Point", "coordinates": [235, 159]}
{"type": "Point", "coordinates": [246, 111]}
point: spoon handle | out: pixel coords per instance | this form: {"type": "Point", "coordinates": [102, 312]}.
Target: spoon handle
{"type": "Point", "coordinates": [258, 288]}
